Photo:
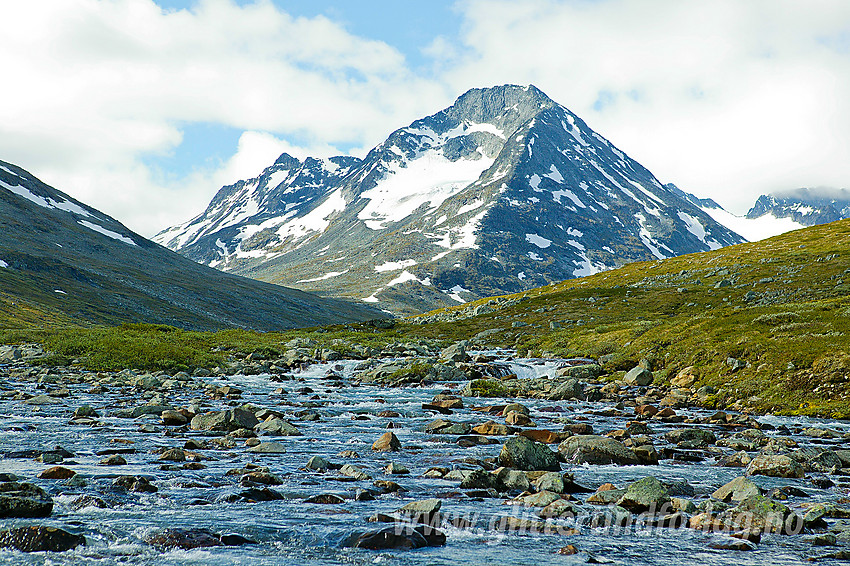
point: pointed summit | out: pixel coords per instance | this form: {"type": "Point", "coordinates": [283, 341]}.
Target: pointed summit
{"type": "Point", "coordinates": [502, 191]}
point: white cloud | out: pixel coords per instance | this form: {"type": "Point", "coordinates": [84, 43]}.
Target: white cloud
{"type": "Point", "coordinates": [93, 86]}
{"type": "Point", "coordinates": [728, 99]}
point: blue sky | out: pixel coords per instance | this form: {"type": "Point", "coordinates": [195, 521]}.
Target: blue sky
{"type": "Point", "coordinates": [409, 27]}
{"type": "Point", "coordinates": [145, 108]}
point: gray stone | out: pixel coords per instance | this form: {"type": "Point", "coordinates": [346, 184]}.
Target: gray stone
{"type": "Point", "coordinates": [225, 421]}
{"type": "Point", "coordinates": [645, 495]}
{"type": "Point", "coordinates": [736, 490]}
{"type": "Point", "coordinates": [775, 465]}
{"type": "Point", "coordinates": [592, 449]}
{"type": "Point", "coordinates": [525, 454]}
{"type": "Point", "coordinates": [268, 448]}
{"type": "Point", "coordinates": [274, 426]}
{"type": "Point", "coordinates": [639, 376]}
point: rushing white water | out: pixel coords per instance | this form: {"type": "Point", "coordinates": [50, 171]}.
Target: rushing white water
{"type": "Point", "coordinates": [291, 532]}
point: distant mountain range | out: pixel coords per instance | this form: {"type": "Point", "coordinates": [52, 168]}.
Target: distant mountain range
{"type": "Point", "coordinates": [503, 191]}
{"type": "Point", "coordinates": [62, 261]}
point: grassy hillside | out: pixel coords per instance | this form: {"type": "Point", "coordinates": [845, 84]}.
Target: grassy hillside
{"type": "Point", "coordinates": [780, 307]}
{"type": "Point", "coordinates": [764, 324]}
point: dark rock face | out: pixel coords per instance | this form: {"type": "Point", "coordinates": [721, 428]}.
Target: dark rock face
{"type": "Point", "coordinates": [503, 191]}
{"type": "Point", "coordinates": [24, 500]}
{"type": "Point", "coordinates": [40, 539]}
{"type": "Point", "coordinates": [185, 539]}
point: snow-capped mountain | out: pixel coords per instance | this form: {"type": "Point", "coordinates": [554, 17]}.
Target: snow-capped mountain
{"type": "Point", "coordinates": [773, 215]}
{"type": "Point", "coordinates": [63, 262]}
{"type": "Point", "coordinates": [503, 191]}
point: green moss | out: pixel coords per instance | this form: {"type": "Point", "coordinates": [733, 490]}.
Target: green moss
{"type": "Point", "coordinates": [487, 388]}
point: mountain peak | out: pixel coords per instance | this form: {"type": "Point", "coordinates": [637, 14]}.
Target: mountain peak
{"type": "Point", "coordinates": [287, 161]}
{"type": "Point", "coordinates": [491, 104]}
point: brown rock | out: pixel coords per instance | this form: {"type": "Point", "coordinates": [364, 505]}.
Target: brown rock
{"type": "Point", "coordinates": [388, 442]}
{"type": "Point", "coordinates": [544, 436]}
{"type": "Point", "coordinates": [685, 378]}
{"type": "Point", "coordinates": [57, 473]}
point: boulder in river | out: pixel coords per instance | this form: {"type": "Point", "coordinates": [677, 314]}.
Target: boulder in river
{"type": "Point", "coordinates": [775, 465]}
{"type": "Point", "coordinates": [398, 537]}
{"type": "Point", "coordinates": [275, 426]}
{"type": "Point", "coordinates": [736, 490]}
{"type": "Point", "coordinates": [525, 454]}
{"type": "Point", "coordinates": [24, 500]}
{"type": "Point", "coordinates": [224, 421]}
{"type": "Point", "coordinates": [645, 495]}
{"type": "Point", "coordinates": [388, 442]}
{"type": "Point", "coordinates": [40, 539]}
{"type": "Point", "coordinates": [592, 449]}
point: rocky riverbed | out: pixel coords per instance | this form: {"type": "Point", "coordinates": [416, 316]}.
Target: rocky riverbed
{"type": "Point", "coordinates": [410, 457]}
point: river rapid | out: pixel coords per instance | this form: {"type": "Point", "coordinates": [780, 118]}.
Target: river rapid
{"type": "Point", "coordinates": [290, 531]}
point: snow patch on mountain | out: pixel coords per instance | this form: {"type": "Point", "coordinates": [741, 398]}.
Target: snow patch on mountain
{"type": "Point", "coordinates": [538, 241]}
{"type": "Point", "coordinates": [3, 264]}
{"type": "Point", "coordinates": [395, 265]}
{"type": "Point", "coordinates": [45, 202]}
{"type": "Point", "coordinates": [754, 229]}
{"type": "Point", "coordinates": [108, 233]}
{"type": "Point", "coordinates": [325, 276]}
{"type": "Point", "coordinates": [429, 179]}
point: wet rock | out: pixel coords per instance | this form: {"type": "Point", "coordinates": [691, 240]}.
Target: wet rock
{"type": "Point", "coordinates": [518, 419]}
{"type": "Point", "coordinates": [173, 418]}
{"type": "Point", "coordinates": [732, 544]}
{"type": "Point", "coordinates": [388, 442]}
{"type": "Point", "coordinates": [736, 490]}
{"type": "Point", "coordinates": [325, 499]}
{"type": "Point", "coordinates": [645, 495]}
{"type": "Point", "coordinates": [268, 448]}
{"type": "Point", "coordinates": [775, 465]}
{"type": "Point", "coordinates": [509, 479]}
{"type": "Point", "coordinates": [423, 511]}
{"type": "Point", "coordinates": [639, 376]}
{"type": "Point", "coordinates": [386, 486]}
{"type": "Point", "coordinates": [696, 436]}
{"type": "Point", "coordinates": [479, 479]}
{"type": "Point", "coordinates": [40, 539]}
{"type": "Point", "coordinates": [398, 537]}
{"type": "Point", "coordinates": [559, 509]}
{"type": "Point", "coordinates": [224, 421]}
{"type": "Point", "coordinates": [524, 454]}
{"type": "Point", "coordinates": [591, 449]}
{"type": "Point", "coordinates": [441, 426]}
{"type": "Point", "coordinates": [544, 436]}
{"type": "Point", "coordinates": [351, 471]}
{"type": "Point", "coordinates": [185, 539]}
{"type": "Point", "coordinates": [540, 499]}
{"type": "Point", "coordinates": [396, 469]}
{"type": "Point", "coordinates": [274, 426]}
{"type": "Point", "coordinates": [24, 500]}
{"type": "Point", "coordinates": [57, 473]}
{"type": "Point", "coordinates": [317, 463]}
{"type": "Point", "coordinates": [447, 401]}
{"type": "Point", "coordinates": [491, 428]}
{"type": "Point", "coordinates": [88, 501]}
{"type": "Point", "coordinates": [138, 484]}
{"type": "Point", "coordinates": [85, 411]}
{"type": "Point", "coordinates": [761, 513]}
{"type": "Point", "coordinates": [173, 455]}
{"type": "Point", "coordinates": [260, 478]}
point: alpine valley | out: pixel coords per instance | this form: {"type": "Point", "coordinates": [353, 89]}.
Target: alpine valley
{"type": "Point", "coordinates": [503, 191]}
{"type": "Point", "coordinates": [65, 263]}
